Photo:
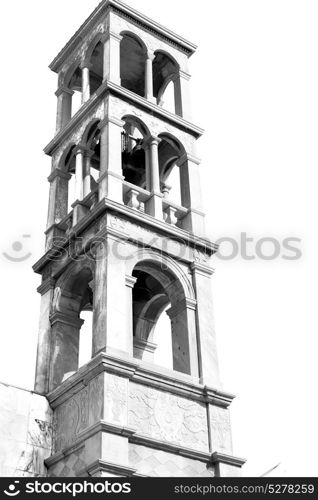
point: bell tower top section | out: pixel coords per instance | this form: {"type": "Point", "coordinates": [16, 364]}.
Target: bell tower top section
{"type": "Point", "coordinates": [123, 130]}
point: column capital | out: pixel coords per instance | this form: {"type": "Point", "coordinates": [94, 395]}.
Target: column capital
{"type": "Point", "coordinates": [86, 64]}
{"type": "Point", "coordinates": [150, 140]}
{"type": "Point", "coordinates": [184, 75]}
{"type": "Point", "coordinates": [110, 119]}
{"type": "Point", "coordinates": [187, 157]}
{"type": "Point", "coordinates": [111, 34]}
{"type": "Point", "coordinates": [67, 319]}
{"type": "Point", "coordinates": [46, 285]}
{"type": "Point", "coordinates": [130, 281]}
{"type": "Point", "coordinates": [202, 269]}
{"type": "Point", "coordinates": [62, 89]}
{"type": "Point", "coordinates": [181, 306]}
{"type": "Point", "coordinates": [80, 148]}
{"type": "Point", "coordinates": [57, 172]}
{"type": "Point", "coordinates": [150, 55]}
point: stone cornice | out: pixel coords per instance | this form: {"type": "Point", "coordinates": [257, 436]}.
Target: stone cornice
{"type": "Point", "coordinates": [46, 285]}
{"type": "Point", "coordinates": [142, 440]}
{"type": "Point", "coordinates": [116, 5]}
{"type": "Point", "coordinates": [111, 87]}
{"type": "Point", "coordinates": [140, 373]}
{"type": "Point", "coordinates": [218, 458]}
{"type": "Point", "coordinates": [143, 219]}
{"type": "Point", "coordinates": [110, 467]}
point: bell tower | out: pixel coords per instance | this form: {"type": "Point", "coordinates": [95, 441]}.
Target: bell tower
{"type": "Point", "coordinates": [126, 275]}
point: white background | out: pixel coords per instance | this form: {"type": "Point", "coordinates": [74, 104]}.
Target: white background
{"type": "Point", "coordinates": [254, 90]}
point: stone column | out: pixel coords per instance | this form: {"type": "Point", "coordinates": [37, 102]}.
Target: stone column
{"type": "Point", "coordinates": [41, 384]}
{"type": "Point", "coordinates": [87, 173]}
{"type": "Point", "coordinates": [191, 197]}
{"type": "Point", "coordinates": [111, 69]}
{"type": "Point", "coordinates": [79, 171]}
{"type": "Point", "coordinates": [130, 283]}
{"type": "Point", "coordinates": [149, 77]}
{"type": "Point", "coordinates": [209, 366]}
{"type": "Point", "coordinates": [64, 107]}
{"type": "Point", "coordinates": [182, 95]}
{"type": "Point", "coordinates": [65, 346]}
{"type": "Point", "coordinates": [110, 310]}
{"type": "Point", "coordinates": [154, 204]}
{"type": "Point", "coordinates": [184, 339]}
{"type": "Point", "coordinates": [86, 92]}
{"type": "Point", "coordinates": [111, 177]}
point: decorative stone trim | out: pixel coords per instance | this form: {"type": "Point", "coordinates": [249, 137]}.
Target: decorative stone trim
{"type": "Point", "coordinates": [144, 345]}
{"type": "Point", "coordinates": [188, 157]}
{"type": "Point", "coordinates": [128, 12]}
{"type": "Point", "coordinates": [202, 269]}
{"type": "Point", "coordinates": [108, 86]}
{"type": "Point", "coordinates": [170, 448]}
{"type": "Point", "coordinates": [110, 119]}
{"type": "Point", "coordinates": [130, 281]}
{"type": "Point", "coordinates": [135, 216]}
{"type": "Point", "coordinates": [103, 466]}
{"type": "Point", "coordinates": [67, 319]}
{"type": "Point", "coordinates": [142, 373]}
{"type": "Point", "coordinates": [47, 285]}
{"type": "Point", "coordinates": [57, 172]}
{"type": "Point", "coordinates": [62, 89]}
{"type": "Point", "coordinates": [227, 459]}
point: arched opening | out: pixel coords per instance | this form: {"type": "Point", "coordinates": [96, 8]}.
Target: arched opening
{"type": "Point", "coordinates": [169, 153]}
{"type": "Point", "coordinates": [164, 70]}
{"type": "Point", "coordinates": [132, 64]}
{"type": "Point", "coordinates": [162, 338]}
{"type": "Point", "coordinates": [92, 158]}
{"type": "Point", "coordinates": [69, 167]}
{"type": "Point", "coordinates": [160, 318]}
{"type": "Point", "coordinates": [133, 153]}
{"type": "Point", "coordinates": [74, 83]}
{"type": "Point", "coordinates": [71, 323]}
{"type": "Point", "coordinates": [96, 67]}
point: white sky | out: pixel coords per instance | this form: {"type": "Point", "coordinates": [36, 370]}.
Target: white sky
{"type": "Point", "coordinates": [254, 90]}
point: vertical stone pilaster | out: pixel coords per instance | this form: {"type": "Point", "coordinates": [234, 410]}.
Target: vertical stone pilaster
{"type": "Point", "coordinates": [64, 347]}
{"type": "Point", "coordinates": [64, 107]}
{"type": "Point", "coordinates": [182, 95]}
{"type": "Point", "coordinates": [191, 197]}
{"type": "Point", "coordinates": [184, 347]}
{"type": "Point", "coordinates": [111, 178]}
{"type": "Point", "coordinates": [110, 316]}
{"type": "Point", "coordinates": [208, 359]}
{"type": "Point", "coordinates": [130, 283]}
{"type": "Point", "coordinates": [111, 69]}
{"type": "Point", "coordinates": [44, 337]}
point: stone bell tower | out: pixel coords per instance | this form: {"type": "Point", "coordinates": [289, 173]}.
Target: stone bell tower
{"type": "Point", "coordinates": [126, 271]}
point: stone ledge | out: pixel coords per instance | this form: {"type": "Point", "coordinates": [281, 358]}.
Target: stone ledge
{"type": "Point", "coordinates": [222, 458]}
{"type": "Point", "coordinates": [94, 100]}
{"type": "Point", "coordinates": [170, 381]}
{"type": "Point", "coordinates": [155, 225]}
{"type": "Point", "coordinates": [103, 466]}
{"type": "Point", "coordinates": [145, 21]}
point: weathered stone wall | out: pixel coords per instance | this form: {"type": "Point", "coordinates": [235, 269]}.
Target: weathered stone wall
{"type": "Point", "coordinates": [25, 432]}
